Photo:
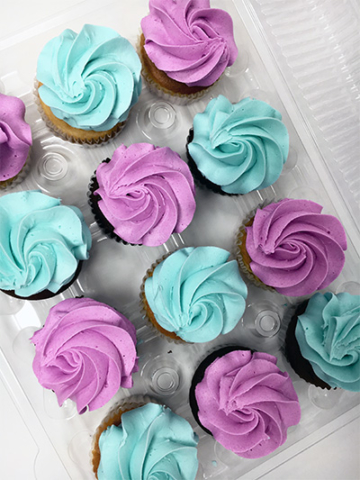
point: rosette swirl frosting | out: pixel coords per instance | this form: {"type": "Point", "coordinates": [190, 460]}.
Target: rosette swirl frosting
{"type": "Point", "coordinates": [15, 136]}
{"type": "Point", "coordinates": [91, 79]}
{"type": "Point", "coordinates": [240, 147]}
{"type": "Point", "coordinates": [41, 242]}
{"type": "Point", "coordinates": [191, 42]}
{"type": "Point", "coordinates": [85, 352]}
{"type": "Point", "coordinates": [294, 248]}
{"type": "Point", "coordinates": [147, 193]}
{"type": "Point", "coordinates": [247, 403]}
{"type": "Point", "coordinates": [197, 293]}
{"type": "Point", "coordinates": [151, 442]}
{"type": "Point", "coordinates": [328, 334]}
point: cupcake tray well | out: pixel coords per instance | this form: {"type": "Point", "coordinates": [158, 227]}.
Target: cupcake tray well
{"type": "Point", "coordinates": [298, 75]}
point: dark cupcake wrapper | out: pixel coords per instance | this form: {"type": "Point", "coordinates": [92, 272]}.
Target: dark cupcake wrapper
{"type": "Point", "coordinates": [199, 376]}
{"type": "Point", "coordinates": [292, 352]}
{"type": "Point", "coordinates": [46, 294]}
{"type": "Point", "coordinates": [106, 227]}
{"type": "Point", "coordinates": [199, 178]}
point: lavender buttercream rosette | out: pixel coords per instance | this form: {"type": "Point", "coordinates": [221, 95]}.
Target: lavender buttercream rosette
{"type": "Point", "coordinates": [85, 352]}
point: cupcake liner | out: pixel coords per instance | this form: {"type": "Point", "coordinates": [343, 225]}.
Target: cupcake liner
{"type": "Point", "coordinates": [292, 352]}
{"type": "Point", "coordinates": [148, 314]}
{"type": "Point", "coordinates": [240, 253]}
{"type": "Point", "coordinates": [46, 294]}
{"type": "Point", "coordinates": [100, 219]}
{"type": "Point", "coordinates": [17, 179]}
{"type": "Point", "coordinates": [113, 417]}
{"type": "Point", "coordinates": [163, 92]}
{"type": "Point", "coordinates": [109, 135]}
{"type": "Point", "coordinates": [199, 178]}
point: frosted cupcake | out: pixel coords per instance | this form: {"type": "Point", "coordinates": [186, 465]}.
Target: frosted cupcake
{"type": "Point", "coordinates": [291, 247]}
{"type": "Point", "coordinates": [185, 47]}
{"type": "Point", "coordinates": [42, 244]}
{"type": "Point", "coordinates": [194, 295]}
{"type": "Point", "coordinates": [15, 140]}
{"type": "Point", "coordinates": [87, 83]}
{"type": "Point", "coordinates": [164, 441]}
{"type": "Point", "coordinates": [143, 194]}
{"type": "Point", "coordinates": [323, 341]}
{"type": "Point", "coordinates": [237, 148]}
{"type": "Point", "coordinates": [85, 352]}
{"type": "Point", "coordinates": [244, 401]}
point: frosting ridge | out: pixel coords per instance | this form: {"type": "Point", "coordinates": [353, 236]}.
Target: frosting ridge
{"type": "Point", "coordinates": [247, 403]}
{"type": "Point", "coordinates": [294, 248]}
{"type": "Point", "coordinates": [91, 79]}
{"type": "Point", "coordinates": [41, 242]}
{"type": "Point", "coordinates": [191, 42]}
{"type": "Point", "coordinates": [147, 193]}
{"type": "Point", "coordinates": [328, 334]}
{"type": "Point", "coordinates": [240, 147]}
{"type": "Point", "coordinates": [151, 442]}
{"type": "Point", "coordinates": [85, 352]}
{"type": "Point", "coordinates": [15, 136]}
{"type": "Point", "coordinates": [197, 293]}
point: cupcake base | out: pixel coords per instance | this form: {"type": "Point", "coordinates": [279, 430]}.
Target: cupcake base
{"type": "Point", "coordinates": [46, 294]}
{"type": "Point", "coordinates": [293, 353]}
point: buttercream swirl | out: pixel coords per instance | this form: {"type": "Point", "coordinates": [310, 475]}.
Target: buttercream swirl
{"type": "Point", "coordinates": [151, 442]}
{"type": "Point", "coordinates": [15, 136]}
{"type": "Point", "coordinates": [197, 293]}
{"type": "Point", "coordinates": [240, 147]}
{"type": "Point", "coordinates": [247, 403]}
{"type": "Point", "coordinates": [91, 79]}
{"type": "Point", "coordinates": [41, 242]}
{"type": "Point", "coordinates": [147, 193]}
{"type": "Point", "coordinates": [328, 334]}
{"type": "Point", "coordinates": [191, 42]}
{"type": "Point", "coordinates": [85, 352]}
{"type": "Point", "coordinates": [294, 248]}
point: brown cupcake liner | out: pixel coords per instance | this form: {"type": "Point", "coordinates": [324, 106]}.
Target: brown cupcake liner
{"type": "Point", "coordinates": [113, 417]}
{"type": "Point", "coordinates": [19, 177]}
{"type": "Point", "coordinates": [106, 227]}
{"type": "Point", "coordinates": [148, 313]}
{"type": "Point", "coordinates": [88, 142]}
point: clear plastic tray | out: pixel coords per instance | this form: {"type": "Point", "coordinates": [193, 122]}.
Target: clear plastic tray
{"type": "Point", "coordinates": [114, 271]}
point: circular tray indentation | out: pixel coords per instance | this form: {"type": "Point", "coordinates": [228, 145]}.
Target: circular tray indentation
{"type": "Point", "coordinates": [162, 374]}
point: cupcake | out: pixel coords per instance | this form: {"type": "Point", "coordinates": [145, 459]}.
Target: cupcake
{"type": "Point", "coordinates": [323, 341]}
{"type": "Point", "coordinates": [194, 294]}
{"type": "Point", "coordinates": [237, 148]}
{"type": "Point", "coordinates": [87, 83]}
{"type": "Point", "coordinates": [42, 244]}
{"type": "Point", "coordinates": [143, 194]}
{"type": "Point", "coordinates": [185, 47]}
{"type": "Point", "coordinates": [244, 401]}
{"type": "Point", "coordinates": [15, 140]}
{"type": "Point", "coordinates": [143, 441]}
{"type": "Point", "coordinates": [85, 352]}
{"type": "Point", "coordinates": [291, 247]}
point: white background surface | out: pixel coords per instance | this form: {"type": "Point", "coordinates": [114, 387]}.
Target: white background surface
{"type": "Point", "coordinates": [336, 457]}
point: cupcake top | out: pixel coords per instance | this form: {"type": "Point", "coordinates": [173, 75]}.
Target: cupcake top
{"type": "Point", "coordinates": [15, 136]}
{"type": "Point", "coordinates": [85, 352]}
{"type": "Point", "coordinates": [328, 335]}
{"type": "Point", "coordinates": [41, 242]}
{"type": "Point", "coordinates": [294, 248]}
{"type": "Point", "coordinates": [91, 79]}
{"type": "Point", "coordinates": [247, 403]}
{"type": "Point", "coordinates": [147, 193]}
{"type": "Point", "coordinates": [191, 42]}
{"type": "Point", "coordinates": [240, 147]}
{"type": "Point", "coordinates": [197, 293]}
{"type": "Point", "coordinates": [151, 442]}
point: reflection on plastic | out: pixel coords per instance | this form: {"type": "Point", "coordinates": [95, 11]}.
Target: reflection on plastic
{"type": "Point", "coordinates": [323, 398]}
{"type": "Point", "coordinates": [22, 346]}
{"type": "Point", "coordinates": [162, 374]}
{"type": "Point", "coordinates": [52, 408]}
{"type": "Point", "coordinates": [262, 319]}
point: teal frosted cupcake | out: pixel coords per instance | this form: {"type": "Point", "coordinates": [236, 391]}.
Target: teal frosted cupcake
{"type": "Point", "coordinates": [234, 149]}
{"type": "Point", "coordinates": [194, 294]}
{"type": "Point", "coordinates": [323, 341]}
